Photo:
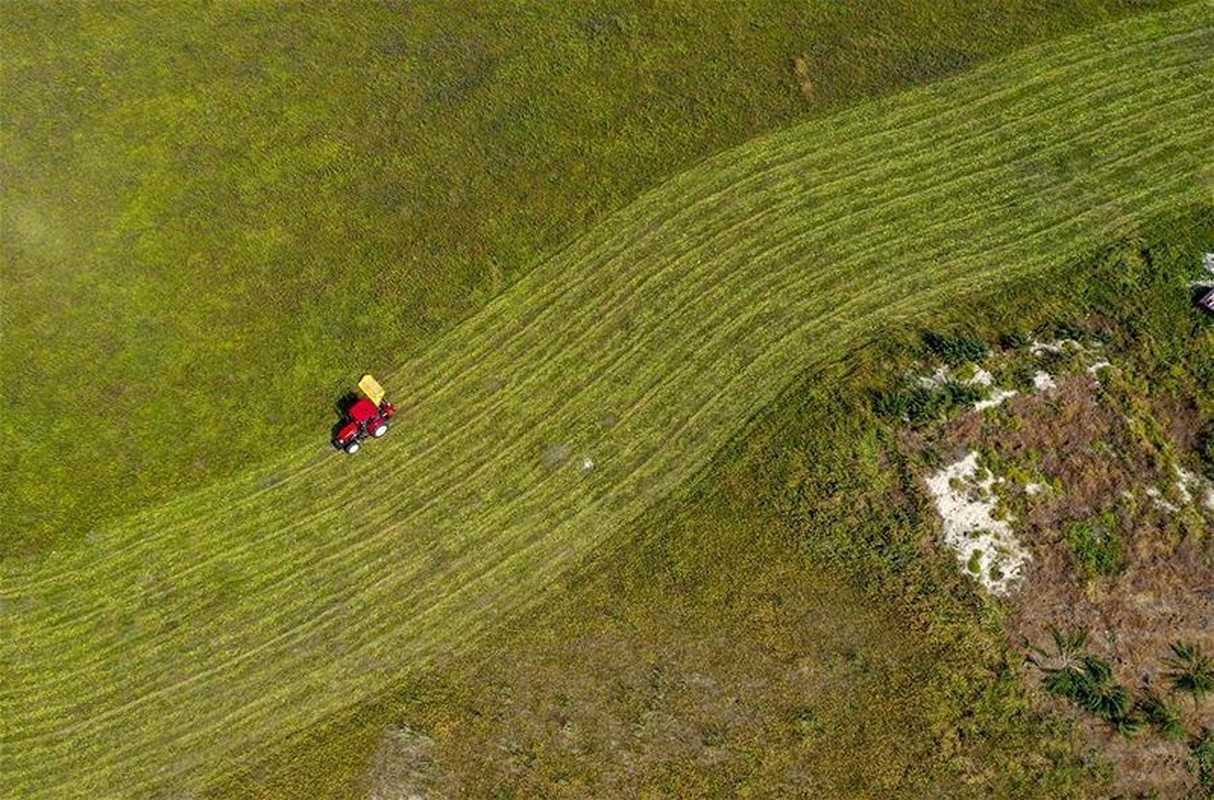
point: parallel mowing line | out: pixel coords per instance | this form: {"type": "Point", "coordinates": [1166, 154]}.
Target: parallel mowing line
{"type": "Point", "coordinates": [956, 146]}
{"type": "Point", "coordinates": [964, 111]}
{"type": "Point", "coordinates": [757, 287]}
{"type": "Point", "coordinates": [504, 552]}
{"type": "Point", "coordinates": [271, 702]}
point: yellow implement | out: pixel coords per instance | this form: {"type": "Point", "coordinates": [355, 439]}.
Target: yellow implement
{"type": "Point", "coordinates": [371, 388]}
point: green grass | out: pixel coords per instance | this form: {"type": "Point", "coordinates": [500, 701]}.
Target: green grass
{"type": "Point", "coordinates": [217, 216]}
{"type": "Point", "coordinates": [750, 576]}
{"type": "Point", "coordinates": [177, 638]}
{"type": "Point", "coordinates": [1098, 545]}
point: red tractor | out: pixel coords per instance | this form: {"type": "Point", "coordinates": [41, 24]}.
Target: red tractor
{"type": "Point", "coordinates": [369, 415]}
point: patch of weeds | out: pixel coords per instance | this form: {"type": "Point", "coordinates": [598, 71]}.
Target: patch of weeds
{"type": "Point", "coordinates": [956, 349]}
{"type": "Point", "coordinates": [1068, 359]}
{"type": "Point", "coordinates": [1161, 715]}
{"type": "Point", "coordinates": [1089, 684]}
{"type": "Point", "coordinates": [1190, 670]}
{"type": "Point", "coordinates": [919, 404]}
{"type": "Point", "coordinates": [1097, 545]}
{"type": "Point", "coordinates": [1201, 762]}
{"type": "Point", "coordinates": [1015, 340]}
{"type": "Point", "coordinates": [1205, 450]}
{"type": "Point", "coordinates": [1067, 329]}
{"type": "Point", "coordinates": [974, 565]}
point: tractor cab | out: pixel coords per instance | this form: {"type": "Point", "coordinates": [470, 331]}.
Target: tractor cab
{"type": "Point", "coordinates": [367, 416]}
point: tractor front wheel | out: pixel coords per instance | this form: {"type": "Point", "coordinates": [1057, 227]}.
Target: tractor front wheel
{"type": "Point", "coordinates": [352, 448]}
{"type": "Point", "coordinates": [380, 431]}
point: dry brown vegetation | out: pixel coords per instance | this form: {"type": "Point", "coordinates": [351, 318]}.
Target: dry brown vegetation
{"type": "Point", "coordinates": [1099, 445]}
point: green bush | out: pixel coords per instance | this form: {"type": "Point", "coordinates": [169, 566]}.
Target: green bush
{"type": "Point", "coordinates": [955, 349]}
{"type": "Point", "coordinates": [1205, 450]}
{"type": "Point", "coordinates": [1190, 670]}
{"type": "Point", "coordinates": [1015, 340]}
{"type": "Point", "coordinates": [1201, 761]}
{"type": "Point", "coordinates": [1164, 717]}
{"type": "Point", "coordinates": [1097, 545]}
{"type": "Point", "coordinates": [1088, 682]}
{"type": "Point", "coordinates": [919, 404]}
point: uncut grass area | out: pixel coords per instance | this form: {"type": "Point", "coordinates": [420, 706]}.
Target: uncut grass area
{"type": "Point", "coordinates": [217, 217]}
{"type": "Point", "coordinates": [265, 603]}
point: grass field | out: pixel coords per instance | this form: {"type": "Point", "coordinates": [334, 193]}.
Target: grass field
{"type": "Point", "coordinates": [253, 607]}
{"type": "Point", "coordinates": [782, 622]}
{"type": "Point", "coordinates": [216, 215]}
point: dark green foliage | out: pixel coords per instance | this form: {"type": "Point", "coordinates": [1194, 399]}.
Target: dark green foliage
{"type": "Point", "coordinates": [1088, 682]}
{"type": "Point", "coordinates": [1201, 761]}
{"type": "Point", "coordinates": [1098, 545]}
{"type": "Point", "coordinates": [1164, 717]}
{"type": "Point", "coordinates": [955, 349]}
{"type": "Point", "coordinates": [1066, 329]}
{"type": "Point", "coordinates": [1015, 340]}
{"type": "Point", "coordinates": [1190, 670]}
{"type": "Point", "coordinates": [919, 404]}
{"type": "Point", "coordinates": [1205, 450]}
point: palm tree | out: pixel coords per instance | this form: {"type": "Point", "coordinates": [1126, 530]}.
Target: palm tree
{"type": "Point", "coordinates": [1190, 670]}
{"type": "Point", "coordinates": [1163, 716]}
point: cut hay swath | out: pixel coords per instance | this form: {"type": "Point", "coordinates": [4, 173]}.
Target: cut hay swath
{"type": "Point", "coordinates": [166, 648]}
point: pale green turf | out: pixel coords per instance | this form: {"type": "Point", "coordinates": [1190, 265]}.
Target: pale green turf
{"type": "Point", "coordinates": [159, 652]}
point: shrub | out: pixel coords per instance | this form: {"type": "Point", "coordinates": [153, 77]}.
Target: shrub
{"type": "Point", "coordinates": [919, 404]}
{"type": "Point", "coordinates": [1190, 670]}
{"type": "Point", "coordinates": [1015, 340]}
{"type": "Point", "coordinates": [955, 349]}
{"type": "Point", "coordinates": [1097, 545]}
{"type": "Point", "coordinates": [1164, 717]}
{"type": "Point", "coordinates": [1201, 761]}
{"type": "Point", "coordinates": [1205, 450]}
{"type": "Point", "coordinates": [1088, 682]}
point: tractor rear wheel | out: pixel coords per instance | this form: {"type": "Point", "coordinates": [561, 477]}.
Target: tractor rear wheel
{"type": "Point", "coordinates": [352, 448]}
{"type": "Point", "coordinates": [380, 431]}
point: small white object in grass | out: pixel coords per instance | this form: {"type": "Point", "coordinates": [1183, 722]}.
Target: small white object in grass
{"type": "Point", "coordinates": [1098, 365]}
{"type": "Point", "coordinates": [1208, 499]}
{"type": "Point", "coordinates": [1037, 347]}
{"type": "Point", "coordinates": [587, 464]}
{"type": "Point", "coordinates": [1043, 380]}
{"type": "Point", "coordinates": [979, 540]}
{"type": "Point", "coordinates": [1207, 261]}
{"type": "Point", "coordinates": [1157, 496]}
{"type": "Point", "coordinates": [1032, 489]}
{"type": "Point", "coordinates": [981, 378]}
{"type": "Point", "coordinates": [996, 399]}
{"type": "Point", "coordinates": [1187, 481]}
{"type": "Point", "coordinates": [938, 378]}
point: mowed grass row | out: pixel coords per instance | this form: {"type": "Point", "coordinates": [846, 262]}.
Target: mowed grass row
{"type": "Point", "coordinates": [216, 214]}
{"type": "Point", "coordinates": [162, 651]}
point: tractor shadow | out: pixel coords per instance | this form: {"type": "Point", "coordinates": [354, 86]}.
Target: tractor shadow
{"type": "Point", "coordinates": [342, 407]}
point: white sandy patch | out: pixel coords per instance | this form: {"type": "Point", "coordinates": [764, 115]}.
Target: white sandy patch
{"type": "Point", "coordinates": [936, 379]}
{"type": "Point", "coordinates": [979, 540]}
{"type": "Point", "coordinates": [1190, 485]}
{"type": "Point", "coordinates": [1157, 496]}
{"type": "Point", "coordinates": [1033, 489]}
{"type": "Point", "coordinates": [1056, 346]}
{"type": "Point", "coordinates": [1207, 261]}
{"type": "Point", "coordinates": [1043, 380]}
{"type": "Point", "coordinates": [1097, 365]}
{"type": "Point", "coordinates": [982, 378]}
{"type": "Point", "coordinates": [996, 399]}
